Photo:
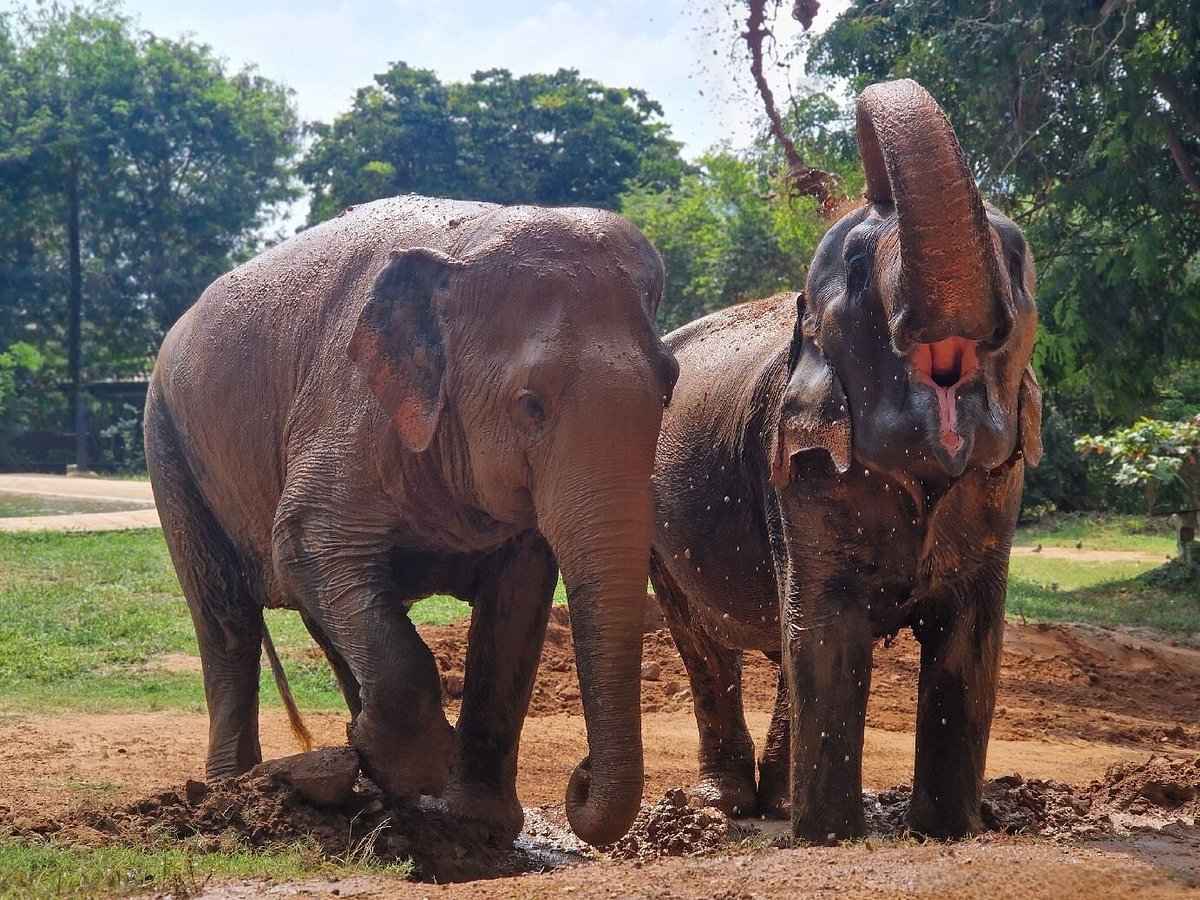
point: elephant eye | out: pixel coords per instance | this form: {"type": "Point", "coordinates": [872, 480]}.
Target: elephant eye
{"type": "Point", "coordinates": [856, 273]}
{"type": "Point", "coordinates": [528, 410]}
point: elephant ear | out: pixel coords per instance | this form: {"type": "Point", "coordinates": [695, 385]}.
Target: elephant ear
{"type": "Point", "coordinates": [398, 344]}
{"type": "Point", "coordinates": [1029, 417]}
{"type": "Point", "coordinates": [814, 414]}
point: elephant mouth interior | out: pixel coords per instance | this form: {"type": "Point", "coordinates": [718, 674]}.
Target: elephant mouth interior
{"type": "Point", "coordinates": [946, 363]}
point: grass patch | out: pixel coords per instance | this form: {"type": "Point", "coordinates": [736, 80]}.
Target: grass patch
{"type": "Point", "coordinates": [47, 869]}
{"type": "Point", "coordinates": [85, 616]}
{"type": "Point", "coordinates": [1112, 594]}
{"type": "Point", "coordinates": [1145, 534]}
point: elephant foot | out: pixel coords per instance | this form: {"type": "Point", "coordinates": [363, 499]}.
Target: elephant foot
{"type": "Point", "coordinates": [732, 794]}
{"type": "Point", "coordinates": [773, 802]}
{"type": "Point", "coordinates": [409, 766]}
{"type": "Point", "coordinates": [926, 821]}
{"type": "Point", "coordinates": [829, 826]}
{"type": "Point", "coordinates": [490, 816]}
{"type": "Point", "coordinates": [774, 794]}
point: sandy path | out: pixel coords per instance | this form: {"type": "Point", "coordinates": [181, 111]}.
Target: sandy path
{"type": "Point", "coordinates": [89, 488]}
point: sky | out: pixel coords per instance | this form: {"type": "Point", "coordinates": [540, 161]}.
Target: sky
{"type": "Point", "coordinates": [686, 54]}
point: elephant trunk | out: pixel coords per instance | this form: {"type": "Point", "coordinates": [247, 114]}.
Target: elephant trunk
{"type": "Point", "coordinates": [597, 518]}
{"type": "Point", "coordinates": [948, 284]}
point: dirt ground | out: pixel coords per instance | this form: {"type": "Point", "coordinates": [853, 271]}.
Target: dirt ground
{"type": "Point", "coordinates": [1094, 761]}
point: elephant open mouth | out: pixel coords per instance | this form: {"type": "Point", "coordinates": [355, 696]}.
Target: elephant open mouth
{"type": "Point", "coordinates": [943, 366]}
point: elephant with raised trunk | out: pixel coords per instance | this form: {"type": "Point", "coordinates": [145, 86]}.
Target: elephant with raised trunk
{"type": "Point", "coordinates": [424, 396]}
{"type": "Point", "coordinates": [843, 463]}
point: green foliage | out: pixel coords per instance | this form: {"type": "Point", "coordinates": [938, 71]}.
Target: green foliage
{"type": "Point", "coordinates": [1083, 121]}
{"type": "Point", "coordinates": [731, 230]}
{"type": "Point", "coordinates": [1060, 482]}
{"type": "Point", "coordinates": [176, 164]}
{"type": "Point", "coordinates": [126, 440]}
{"type": "Point", "coordinates": [552, 139]}
{"type": "Point", "coordinates": [1152, 454]}
{"type": "Point", "coordinates": [19, 367]}
{"type": "Point", "coordinates": [720, 236]}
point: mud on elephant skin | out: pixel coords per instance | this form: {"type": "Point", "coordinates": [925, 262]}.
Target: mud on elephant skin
{"type": "Point", "coordinates": [423, 396]}
{"type": "Point", "coordinates": [840, 464]}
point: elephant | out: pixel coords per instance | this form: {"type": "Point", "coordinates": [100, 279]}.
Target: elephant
{"type": "Point", "coordinates": [424, 396]}
{"type": "Point", "coordinates": [843, 462]}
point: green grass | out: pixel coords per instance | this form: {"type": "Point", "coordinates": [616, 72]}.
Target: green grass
{"type": "Point", "coordinates": [44, 869]}
{"type": "Point", "coordinates": [1142, 533]}
{"type": "Point", "coordinates": [86, 618]}
{"type": "Point", "coordinates": [1113, 594]}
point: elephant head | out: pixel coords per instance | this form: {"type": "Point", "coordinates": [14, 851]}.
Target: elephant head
{"type": "Point", "coordinates": [525, 359]}
{"type": "Point", "coordinates": [919, 313]}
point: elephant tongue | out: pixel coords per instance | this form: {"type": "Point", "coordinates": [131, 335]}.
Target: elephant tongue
{"type": "Point", "coordinates": [948, 410]}
{"type": "Point", "coordinates": [944, 365]}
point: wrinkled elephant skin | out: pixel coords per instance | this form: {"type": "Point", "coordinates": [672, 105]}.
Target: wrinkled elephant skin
{"type": "Point", "coordinates": [423, 396]}
{"type": "Point", "coordinates": [840, 464]}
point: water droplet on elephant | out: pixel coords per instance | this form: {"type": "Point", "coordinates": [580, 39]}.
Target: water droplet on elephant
{"type": "Point", "coordinates": [687, 554]}
{"type": "Point", "coordinates": [666, 524]}
{"type": "Point", "coordinates": [726, 498]}
{"type": "Point", "coordinates": [943, 721]}
{"type": "Point", "coordinates": [846, 759]}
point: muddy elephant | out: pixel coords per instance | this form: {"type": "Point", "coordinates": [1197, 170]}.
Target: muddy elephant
{"type": "Point", "coordinates": [839, 464]}
{"type": "Point", "coordinates": [424, 396]}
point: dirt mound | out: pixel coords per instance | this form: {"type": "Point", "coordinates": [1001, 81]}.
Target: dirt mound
{"type": "Point", "coordinates": [664, 679]}
{"type": "Point", "coordinates": [263, 811]}
{"type": "Point", "coordinates": [1156, 788]}
{"type": "Point", "coordinates": [1071, 682]}
{"type": "Point", "coordinates": [673, 828]}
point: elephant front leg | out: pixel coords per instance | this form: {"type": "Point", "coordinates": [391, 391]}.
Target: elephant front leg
{"type": "Point", "coordinates": [504, 646]}
{"type": "Point", "coordinates": [960, 665]}
{"type": "Point", "coordinates": [346, 591]}
{"type": "Point", "coordinates": [827, 660]}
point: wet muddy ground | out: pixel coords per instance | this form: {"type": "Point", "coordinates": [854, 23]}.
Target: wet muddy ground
{"type": "Point", "coordinates": [1094, 788]}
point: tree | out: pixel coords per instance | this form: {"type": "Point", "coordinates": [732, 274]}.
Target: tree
{"type": "Point", "coordinates": [133, 170]}
{"type": "Point", "coordinates": [1083, 122]}
{"type": "Point", "coordinates": [734, 229]}
{"type": "Point", "coordinates": [551, 139]}
{"type": "Point", "coordinates": [1152, 454]}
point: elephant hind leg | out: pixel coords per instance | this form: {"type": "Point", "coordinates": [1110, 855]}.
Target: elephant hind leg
{"type": "Point", "coordinates": [227, 619]}
{"type": "Point", "coordinates": [774, 765]}
{"type": "Point", "coordinates": [715, 673]}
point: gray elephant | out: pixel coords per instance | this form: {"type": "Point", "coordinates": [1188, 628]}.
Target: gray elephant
{"type": "Point", "coordinates": [840, 464]}
{"type": "Point", "coordinates": [424, 396]}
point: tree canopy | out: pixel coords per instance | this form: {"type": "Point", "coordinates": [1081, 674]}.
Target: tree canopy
{"type": "Point", "coordinates": [170, 164]}
{"type": "Point", "coordinates": [1083, 122]}
{"type": "Point", "coordinates": [557, 139]}
{"type": "Point", "coordinates": [732, 229]}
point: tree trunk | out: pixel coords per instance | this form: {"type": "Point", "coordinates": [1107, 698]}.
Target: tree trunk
{"type": "Point", "coordinates": [75, 317]}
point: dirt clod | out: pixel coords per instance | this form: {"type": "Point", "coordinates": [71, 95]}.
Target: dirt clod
{"type": "Point", "coordinates": [673, 828]}
{"type": "Point", "coordinates": [325, 777]}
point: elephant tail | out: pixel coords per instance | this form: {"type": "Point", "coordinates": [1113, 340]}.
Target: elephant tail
{"type": "Point", "coordinates": [303, 736]}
